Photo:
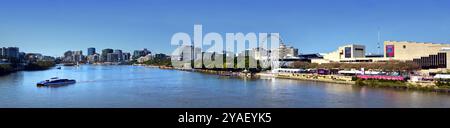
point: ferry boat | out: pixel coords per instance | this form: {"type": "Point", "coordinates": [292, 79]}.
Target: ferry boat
{"type": "Point", "coordinates": [55, 82]}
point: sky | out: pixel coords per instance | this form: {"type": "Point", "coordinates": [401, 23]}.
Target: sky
{"type": "Point", "coordinates": [52, 27]}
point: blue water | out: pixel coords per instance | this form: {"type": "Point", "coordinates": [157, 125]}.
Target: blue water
{"type": "Point", "coordinates": [141, 87]}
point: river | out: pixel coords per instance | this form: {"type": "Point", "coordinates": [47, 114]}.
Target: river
{"type": "Point", "coordinates": [141, 87]}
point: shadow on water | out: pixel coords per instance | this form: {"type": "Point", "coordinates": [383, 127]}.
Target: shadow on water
{"type": "Point", "coordinates": [54, 86]}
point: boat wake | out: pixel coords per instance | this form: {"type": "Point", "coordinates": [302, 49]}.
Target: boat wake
{"type": "Point", "coordinates": [109, 80]}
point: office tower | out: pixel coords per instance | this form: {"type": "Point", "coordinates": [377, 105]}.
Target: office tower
{"type": "Point", "coordinates": [104, 55]}
{"type": "Point", "coordinates": [91, 51]}
{"type": "Point", "coordinates": [119, 54]}
{"type": "Point", "coordinates": [112, 57]}
{"type": "Point", "coordinates": [126, 56]}
{"type": "Point", "coordinates": [140, 53]}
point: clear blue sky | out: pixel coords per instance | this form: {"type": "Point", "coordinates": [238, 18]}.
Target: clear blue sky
{"type": "Point", "coordinates": [54, 26]}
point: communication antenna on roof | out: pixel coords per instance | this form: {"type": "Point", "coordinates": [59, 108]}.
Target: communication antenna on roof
{"type": "Point", "coordinates": [378, 42]}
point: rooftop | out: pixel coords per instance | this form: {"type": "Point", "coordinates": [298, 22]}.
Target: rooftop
{"type": "Point", "coordinates": [415, 42]}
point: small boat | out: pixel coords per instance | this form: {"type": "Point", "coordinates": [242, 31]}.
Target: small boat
{"type": "Point", "coordinates": [58, 68]}
{"type": "Point", "coordinates": [55, 82]}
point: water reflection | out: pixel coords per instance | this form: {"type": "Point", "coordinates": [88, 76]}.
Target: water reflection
{"type": "Point", "coordinates": [130, 86]}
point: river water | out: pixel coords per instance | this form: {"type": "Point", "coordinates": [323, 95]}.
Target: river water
{"type": "Point", "coordinates": [141, 87]}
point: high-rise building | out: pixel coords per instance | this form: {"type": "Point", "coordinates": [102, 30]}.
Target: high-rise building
{"type": "Point", "coordinates": [78, 56]}
{"type": "Point", "coordinates": [119, 54]}
{"type": "Point", "coordinates": [160, 56]}
{"type": "Point", "coordinates": [93, 58]}
{"type": "Point", "coordinates": [112, 57]}
{"type": "Point", "coordinates": [73, 56]}
{"type": "Point", "coordinates": [1, 52]}
{"type": "Point", "coordinates": [126, 56]}
{"type": "Point", "coordinates": [285, 51]}
{"type": "Point", "coordinates": [91, 51]}
{"type": "Point", "coordinates": [140, 53]}
{"type": "Point", "coordinates": [104, 55]}
{"type": "Point", "coordinates": [22, 56]}
{"type": "Point", "coordinates": [10, 52]}
{"type": "Point", "coordinates": [68, 56]}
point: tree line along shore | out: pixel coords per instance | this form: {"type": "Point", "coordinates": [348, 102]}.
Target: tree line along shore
{"type": "Point", "coordinates": [400, 68]}
{"type": "Point", "coordinates": [8, 68]}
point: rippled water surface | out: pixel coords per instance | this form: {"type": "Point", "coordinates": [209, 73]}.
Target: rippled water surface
{"type": "Point", "coordinates": [137, 87]}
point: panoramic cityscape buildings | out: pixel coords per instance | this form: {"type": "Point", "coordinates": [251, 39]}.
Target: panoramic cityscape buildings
{"type": "Point", "coordinates": [112, 56]}
{"type": "Point", "coordinates": [426, 55]}
{"type": "Point", "coordinates": [223, 63]}
{"type": "Point", "coordinates": [11, 59]}
{"type": "Point", "coordinates": [418, 61]}
{"type": "Point", "coordinates": [14, 55]}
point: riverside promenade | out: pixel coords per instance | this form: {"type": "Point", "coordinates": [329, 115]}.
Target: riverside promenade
{"type": "Point", "coordinates": [313, 77]}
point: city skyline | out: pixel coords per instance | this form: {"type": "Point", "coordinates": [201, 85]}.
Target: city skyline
{"type": "Point", "coordinates": [131, 25]}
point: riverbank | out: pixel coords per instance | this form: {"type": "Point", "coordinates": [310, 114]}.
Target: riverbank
{"type": "Point", "coordinates": [6, 69]}
{"type": "Point", "coordinates": [349, 80]}
{"type": "Point", "coordinates": [41, 65]}
{"type": "Point", "coordinates": [336, 79]}
{"type": "Point", "coordinates": [231, 73]}
{"type": "Point", "coordinates": [154, 66]}
{"type": "Point", "coordinates": [227, 73]}
{"type": "Point", "coordinates": [404, 85]}
{"type": "Point", "coordinates": [149, 86]}
{"type": "Point", "coordinates": [319, 78]}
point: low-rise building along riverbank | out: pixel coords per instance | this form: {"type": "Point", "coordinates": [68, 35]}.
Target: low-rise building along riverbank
{"type": "Point", "coordinates": [359, 81]}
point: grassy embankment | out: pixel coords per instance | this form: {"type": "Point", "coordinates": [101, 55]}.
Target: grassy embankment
{"type": "Point", "coordinates": [317, 78]}
{"type": "Point", "coordinates": [401, 85]}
